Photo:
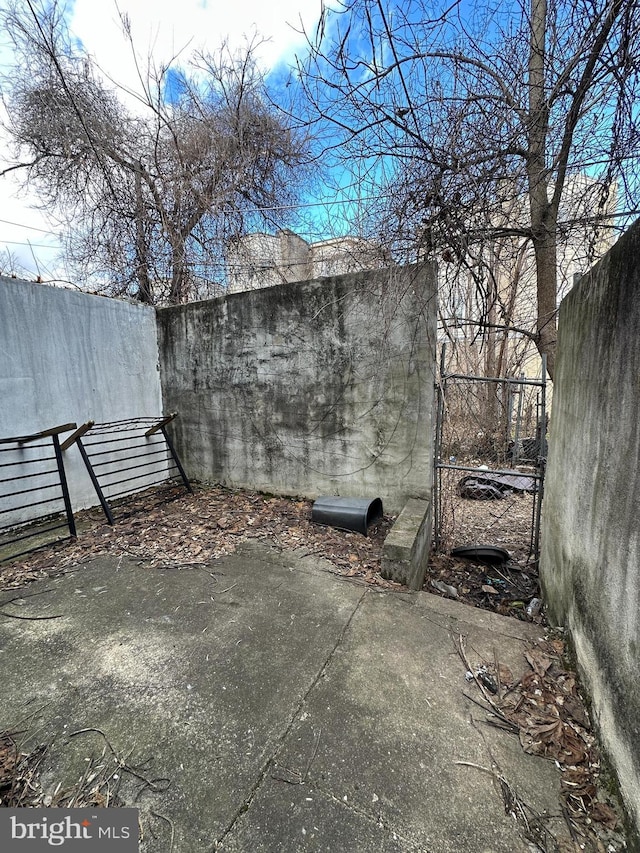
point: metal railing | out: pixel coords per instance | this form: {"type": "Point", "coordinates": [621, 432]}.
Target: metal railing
{"type": "Point", "coordinates": [32, 475]}
{"type": "Point", "coordinates": [127, 456]}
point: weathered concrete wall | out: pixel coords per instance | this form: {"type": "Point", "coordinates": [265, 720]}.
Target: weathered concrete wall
{"type": "Point", "coordinates": [321, 387]}
{"type": "Point", "coordinates": [70, 356]}
{"type": "Point", "coordinates": [591, 514]}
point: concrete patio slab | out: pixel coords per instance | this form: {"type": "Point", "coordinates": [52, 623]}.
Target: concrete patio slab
{"type": "Point", "coordinates": [286, 708]}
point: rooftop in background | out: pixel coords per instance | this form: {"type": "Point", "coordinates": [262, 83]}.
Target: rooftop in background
{"type": "Point", "coordinates": [264, 260]}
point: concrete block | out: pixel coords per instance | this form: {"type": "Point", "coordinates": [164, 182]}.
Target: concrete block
{"type": "Point", "coordinates": [405, 552]}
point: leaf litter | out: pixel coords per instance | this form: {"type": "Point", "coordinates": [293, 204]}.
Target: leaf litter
{"type": "Point", "coordinates": [166, 528]}
{"type": "Point", "coordinates": [545, 710]}
{"type": "Point", "coordinates": [507, 589]}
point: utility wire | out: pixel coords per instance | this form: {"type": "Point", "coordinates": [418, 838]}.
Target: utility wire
{"type": "Point", "coordinates": [30, 227]}
{"type": "Point", "coordinates": [27, 243]}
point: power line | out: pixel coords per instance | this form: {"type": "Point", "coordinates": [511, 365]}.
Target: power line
{"type": "Point", "coordinates": [27, 243]}
{"type": "Point", "coordinates": [30, 227]}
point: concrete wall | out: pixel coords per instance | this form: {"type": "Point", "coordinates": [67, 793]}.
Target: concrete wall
{"type": "Point", "coordinates": [321, 387]}
{"type": "Point", "coordinates": [70, 356]}
{"type": "Point", "coordinates": [591, 514]}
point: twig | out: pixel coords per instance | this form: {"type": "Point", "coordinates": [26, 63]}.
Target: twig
{"type": "Point", "coordinates": [510, 580]}
{"type": "Point", "coordinates": [149, 783]}
{"type": "Point", "coordinates": [508, 725]}
{"type": "Point", "coordinates": [124, 766]}
{"type": "Point", "coordinates": [294, 777]}
{"type": "Point", "coordinates": [516, 806]}
{"type": "Point", "coordinates": [170, 822]}
{"type": "Point", "coordinates": [16, 731]}
{"type": "Point", "coordinates": [26, 595]}
{"type": "Point", "coordinates": [487, 770]}
{"type": "Point", "coordinates": [98, 731]}
{"type": "Point", "coordinates": [459, 642]}
{"type": "Point", "coordinates": [31, 618]}
{"type": "Point", "coordinates": [312, 758]}
{"type": "Point", "coordinates": [498, 682]}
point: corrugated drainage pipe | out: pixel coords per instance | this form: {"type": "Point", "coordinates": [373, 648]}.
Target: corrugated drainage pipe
{"type": "Point", "coordinates": [347, 513]}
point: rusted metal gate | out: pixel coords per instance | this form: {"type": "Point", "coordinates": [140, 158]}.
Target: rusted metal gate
{"type": "Point", "coordinates": [490, 452]}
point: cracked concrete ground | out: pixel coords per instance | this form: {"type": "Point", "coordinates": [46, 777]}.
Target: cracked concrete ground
{"type": "Point", "coordinates": [287, 708]}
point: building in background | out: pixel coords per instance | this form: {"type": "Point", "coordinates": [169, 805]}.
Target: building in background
{"type": "Point", "coordinates": [264, 260]}
{"type": "Point", "coordinates": [495, 286]}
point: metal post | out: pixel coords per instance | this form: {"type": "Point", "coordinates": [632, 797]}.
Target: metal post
{"type": "Point", "coordinates": [185, 479]}
{"type": "Point", "coordinates": [515, 456]}
{"type": "Point", "coordinates": [542, 459]}
{"type": "Point", "coordinates": [543, 434]}
{"type": "Point", "coordinates": [437, 485]}
{"type": "Point", "coordinates": [509, 416]}
{"type": "Point", "coordinates": [96, 485]}
{"type": "Point", "coordinates": [63, 483]}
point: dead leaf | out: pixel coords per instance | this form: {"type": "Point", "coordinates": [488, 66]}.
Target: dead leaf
{"type": "Point", "coordinates": [490, 589]}
{"type": "Point", "coordinates": [575, 709]}
{"type": "Point", "coordinates": [604, 814]}
{"type": "Point", "coordinates": [506, 676]}
{"type": "Point", "coordinates": [538, 661]}
{"type": "Point", "coordinates": [568, 845]}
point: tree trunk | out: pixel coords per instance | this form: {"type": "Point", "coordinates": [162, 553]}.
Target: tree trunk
{"type": "Point", "coordinates": [546, 255]}
{"type": "Point", "coordinates": [141, 248]}
{"type": "Point", "coordinates": [178, 269]}
{"type": "Point", "coordinates": [543, 214]}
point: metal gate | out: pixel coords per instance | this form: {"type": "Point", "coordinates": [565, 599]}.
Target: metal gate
{"type": "Point", "coordinates": [490, 455]}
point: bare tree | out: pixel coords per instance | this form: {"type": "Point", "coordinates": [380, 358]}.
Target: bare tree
{"type": "Point", "coordinates": [474, 120]}
{"type": "Point", "coordinates": [9, 264]}
{"type": "Point", "coordinates": [151, 192]}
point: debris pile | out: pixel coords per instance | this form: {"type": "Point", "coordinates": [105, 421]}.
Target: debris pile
{"type": "Point", "coordinates": [545, 711]}
{"type": "Point", "coordinates": [510, 589]}
{"type": "Point", "coordinates": [177, 529]}
{"type": "Point", "coordinates": [491, 486]}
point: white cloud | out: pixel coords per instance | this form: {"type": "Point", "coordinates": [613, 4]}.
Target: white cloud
{"type": "Point", "coordinates": [163, 28]}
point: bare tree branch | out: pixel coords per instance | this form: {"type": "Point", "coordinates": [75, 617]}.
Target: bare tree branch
{"type": "Point", "coordinates": [486, 126]}
{"type": "Point", "coordinates": [153, 193]}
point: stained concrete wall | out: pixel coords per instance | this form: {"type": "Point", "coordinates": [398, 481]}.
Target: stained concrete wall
{"type": "Point", "coordinates": [70, 356]}
{"type": "Point", "coordinates": [321, 387]}
{"type": "Point", "coordinates": [591, 515]}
